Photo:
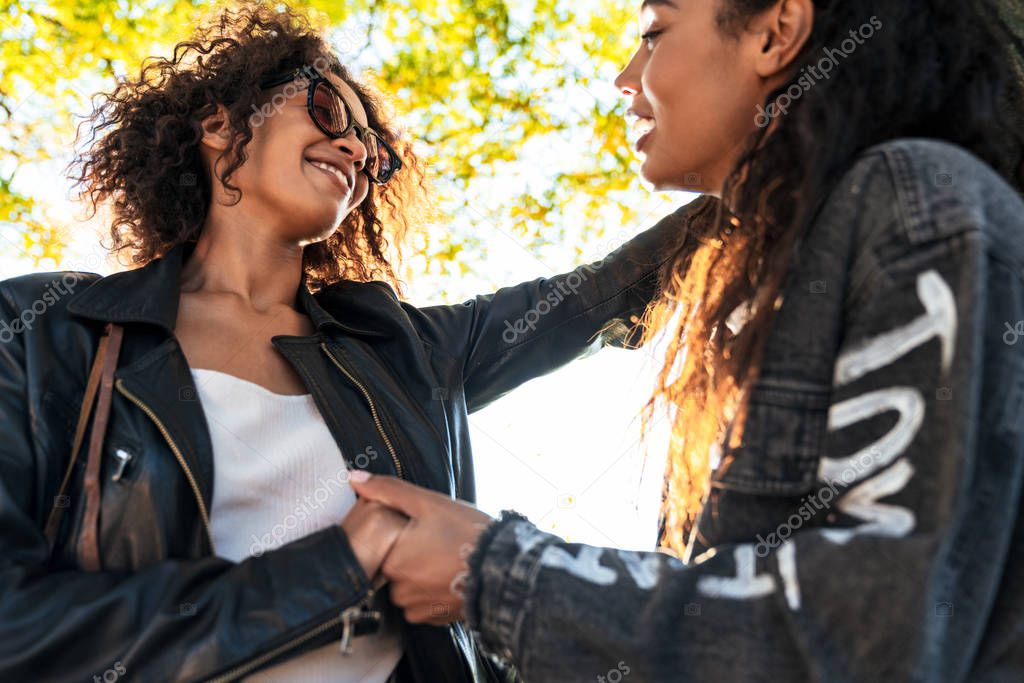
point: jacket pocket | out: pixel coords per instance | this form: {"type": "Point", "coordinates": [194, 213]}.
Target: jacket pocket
{"type": "Point", "coordinates": [782, 441]}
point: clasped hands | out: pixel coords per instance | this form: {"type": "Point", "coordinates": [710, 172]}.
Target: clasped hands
{"type": "Point", "coordinates": [419, 540]}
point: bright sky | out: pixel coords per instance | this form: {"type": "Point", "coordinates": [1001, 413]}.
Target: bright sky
{"type": "Point", "coordinates": [563, 449]}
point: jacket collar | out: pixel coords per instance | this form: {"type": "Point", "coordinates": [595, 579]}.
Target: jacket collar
{"type": "Point", "coordinates": [150, 294]}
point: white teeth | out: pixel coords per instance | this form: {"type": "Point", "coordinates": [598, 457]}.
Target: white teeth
{"type": "Point", "coordinates": [331, 169]}
{"type": "Point", "coordinates": [642, 126]}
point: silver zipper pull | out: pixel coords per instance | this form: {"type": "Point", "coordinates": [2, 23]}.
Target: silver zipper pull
{"type": "Point", "coordinates": [346, 631]}
{"type": "Point", "coordinates": [349, 617]}
{"type": "Point", "coordinates": [123, 458]}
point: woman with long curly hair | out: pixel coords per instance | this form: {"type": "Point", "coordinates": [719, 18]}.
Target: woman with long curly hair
{"type": "Point", "coordinates": [182, 510]}
{"type": "Point", "coordinates": [844, 371]}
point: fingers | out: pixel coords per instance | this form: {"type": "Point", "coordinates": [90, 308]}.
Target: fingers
{"type": "Point", "coordinates": [387, 565]}
{"type": "Point", "coordinates": [426, 564]}
{"type": "Point", "coordinates": [407, 498]}
{"type": "Point", "coordinates": [389, 516]}
{"type": "Point", "coordinates": [435, 614]}
{"type": "Point", "coordinates": [422, 606]}
{"type": "Point", "coordinates": [405, 594]}
{"type": "Point", "coordinates": [372, 529]}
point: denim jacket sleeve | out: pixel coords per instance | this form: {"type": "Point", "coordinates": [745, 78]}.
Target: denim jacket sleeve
{"type": "Point", "coordinates": [525, 331]}
{"type": "Point", "coordinates": [924, 455]}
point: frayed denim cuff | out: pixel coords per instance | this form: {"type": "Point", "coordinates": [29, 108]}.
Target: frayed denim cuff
{"type": "Point", "coordinates": [502, 570]}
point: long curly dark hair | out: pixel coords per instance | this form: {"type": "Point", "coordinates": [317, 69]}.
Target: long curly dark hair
{"type": "Point", "coordinates": [936, 69]}
{"type": "Point", "coordinates": [143, 156]}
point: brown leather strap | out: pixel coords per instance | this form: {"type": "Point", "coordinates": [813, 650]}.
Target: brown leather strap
{"type": "Point", "coordinates": [61, 502]}
{"type": "Point", "coordinates": [88, 541]}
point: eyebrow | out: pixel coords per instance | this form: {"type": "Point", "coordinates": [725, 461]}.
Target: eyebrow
{"type": "Point", "coordinates": [658, 3]}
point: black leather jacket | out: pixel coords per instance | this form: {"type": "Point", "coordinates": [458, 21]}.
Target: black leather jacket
{"type": "Point", "coordinates": [389, 379]}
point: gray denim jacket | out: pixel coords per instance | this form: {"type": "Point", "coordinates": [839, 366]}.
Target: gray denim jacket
{"type": "Point", "coordinates": [869, 528]}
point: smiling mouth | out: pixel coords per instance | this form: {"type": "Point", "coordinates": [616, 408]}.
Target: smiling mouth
{"type": "Point", "coordinates": [335, 173]}
{"type": "Point", "coordinates": [640, 129]}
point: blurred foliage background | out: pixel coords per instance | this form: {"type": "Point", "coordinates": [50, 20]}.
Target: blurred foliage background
{"type": "Point", "coordinates": [512, 105]}
{"type": "Point", "coordinates": [513, 108]}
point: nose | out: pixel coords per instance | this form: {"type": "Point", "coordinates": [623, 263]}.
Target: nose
{"type": "Point", "coordinates": [352, 147]}
{"type": "Point", "coordinates": [628, 80]}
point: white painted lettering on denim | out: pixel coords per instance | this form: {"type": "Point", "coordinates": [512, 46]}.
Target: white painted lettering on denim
{"type": "Point", "coordinates": [786, 557]}
{"type": "Point", "coordinates": [527, 536]}
{"type": "Point", "coordinates": [880, 519]}
{"type": "Point", "coordinates": [861, 501]}
{"type": "Point", "coordinates": [939, 320]}
{"type": "Point", "coordinates": [907, 401]}
{"type": "Point", "coordinates": [746, 584]}
{"type": "Point", "coordinates": [643, 568]}
{"type": "Point", "coordinates": [586, 564]}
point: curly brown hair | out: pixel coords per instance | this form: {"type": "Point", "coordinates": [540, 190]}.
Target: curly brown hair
{"type": "Point", "coordinates": [146, 162]}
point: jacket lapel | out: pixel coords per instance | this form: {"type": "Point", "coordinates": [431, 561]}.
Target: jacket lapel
{"type": "Point", "coordinates": [158, 379]}
{"type": "Point", "coordinates": [161, 385]}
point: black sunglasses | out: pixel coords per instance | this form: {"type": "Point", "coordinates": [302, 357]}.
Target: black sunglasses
{"type": "Point", "coordinates": [331, 114]}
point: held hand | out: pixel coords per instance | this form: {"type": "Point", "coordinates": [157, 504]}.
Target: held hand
{"type": "Point", "coordinates": [427, 565]}
{"type": "Point", "coordinates": [372, 529]}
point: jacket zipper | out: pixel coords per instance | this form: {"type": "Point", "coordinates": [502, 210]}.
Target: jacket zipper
{"type": "Point", "coordinates": [344, 618]}
{"type": "Point", "coordinates": [242, 669]}
{"type": "Point", "coordinates": [177, 454]}
{"type": "Point", "coordinates": [373, 409]}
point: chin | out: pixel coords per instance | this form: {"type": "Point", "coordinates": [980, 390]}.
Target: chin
{"type": "Point", "coordinates": [672, 179]}
{"type": "Point", "coordinates": [316, 225]}
{"type": "Point", "coordinates": [657, 178]}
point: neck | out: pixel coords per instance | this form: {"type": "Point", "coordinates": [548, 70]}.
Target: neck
{"type": "Point", "coordinates": [260, 267]}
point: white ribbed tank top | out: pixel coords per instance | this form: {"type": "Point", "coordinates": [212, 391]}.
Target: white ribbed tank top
{"type": "Point", "coordinates": [279, 476]}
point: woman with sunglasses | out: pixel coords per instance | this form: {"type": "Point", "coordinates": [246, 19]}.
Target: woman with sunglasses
{"type": "Point", "coordinates": [844, 372]}
{"type": "Point", "coordinates": [258, 186]}
{"type": "Point", "coordinates": [330, 110]}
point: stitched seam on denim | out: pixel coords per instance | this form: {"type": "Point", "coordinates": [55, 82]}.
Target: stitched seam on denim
{"type": "Point", "coordinates": [772, 383]}
{"type": "Point", "coordinates": [802, 463]}
{"type": "Point", "coordinates": [761, 486]}
{"type": "Point", "coordinates": [774, 398]}
{"type": "Point", "coordinates": [477, 580]}
{"type": "Point", "coordinates": [906, 260]}
{"type": "Point", "coordinates": [515, 589]}
{"type": "Point", "coordinates": [869, 243]}
{"type": "Point", "coordinates": [474, 581]}
{"type": "Point", "coordinates": [908, 193]}
{"type": "Point", "coordinates": [525, 588]}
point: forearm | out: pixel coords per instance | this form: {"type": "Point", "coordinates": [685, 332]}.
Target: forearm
{"type": "Point", "coordinates": [175, 621]}
{"type": "Point", "coordinates": [531, 329]}
{"type": "Point", "coordinates": [567, 612]}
